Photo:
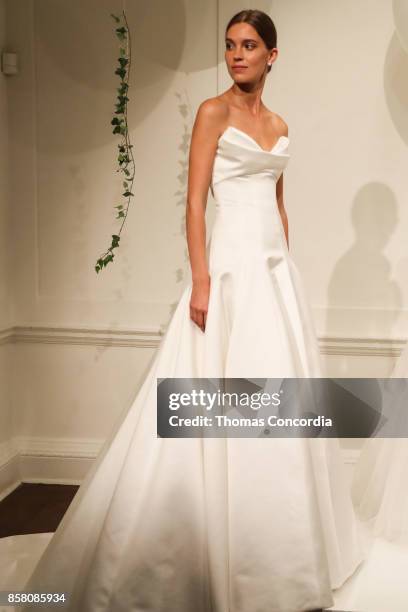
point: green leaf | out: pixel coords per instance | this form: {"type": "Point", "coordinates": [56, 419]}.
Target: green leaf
{"type": "Point", "coordinates": [115, 18]}
{"type": "Point", "coordinates": [121, 72]}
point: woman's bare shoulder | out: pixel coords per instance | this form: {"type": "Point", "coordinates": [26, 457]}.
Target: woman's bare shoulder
{"type": "Point", "coordinates": [279, 125]}
{"type": "Point", "coordinates": [213, 111]}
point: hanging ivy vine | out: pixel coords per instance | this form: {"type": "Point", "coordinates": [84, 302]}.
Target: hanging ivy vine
{"type": "Point", "coordinates": [126, 163]}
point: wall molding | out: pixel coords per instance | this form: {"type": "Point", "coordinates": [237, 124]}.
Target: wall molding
{"type": "Point", "coordinates": [151, 338]}
{"type": "Point", "coordinates": [139, 338]}
{"type": "Point", "coordinates": [361, 346]}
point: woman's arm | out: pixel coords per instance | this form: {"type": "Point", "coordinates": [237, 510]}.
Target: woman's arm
{"type": "Point", "coordinates": [281, 207]}
{"type": "Point", "coordinates": [203, 146]}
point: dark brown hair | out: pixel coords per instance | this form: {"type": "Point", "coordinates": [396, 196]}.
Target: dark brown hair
{"type": "Point", "coordinates": [262, 23]}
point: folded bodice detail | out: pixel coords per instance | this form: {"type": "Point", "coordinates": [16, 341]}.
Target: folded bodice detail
{"type": "Point", "coordinates": [245, 173]}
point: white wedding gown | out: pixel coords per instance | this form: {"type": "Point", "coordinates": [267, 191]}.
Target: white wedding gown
{"type": "Point", "coordinates": [380, 483]}
{"type": "Point", "coordinates": [216, 524]}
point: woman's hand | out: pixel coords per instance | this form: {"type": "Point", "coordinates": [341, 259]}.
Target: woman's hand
{"type": "Point", "coordinates": [200, 296]}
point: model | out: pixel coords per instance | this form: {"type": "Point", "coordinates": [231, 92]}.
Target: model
{"type": "Point", "coordinates": [217, 524]}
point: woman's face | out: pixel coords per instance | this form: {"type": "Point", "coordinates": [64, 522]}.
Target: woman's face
{"type": "Point", "coordinates": [244, 48]}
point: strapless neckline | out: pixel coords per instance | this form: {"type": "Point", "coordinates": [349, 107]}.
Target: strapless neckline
{"type": "Point", "coordinates": [251, 139]}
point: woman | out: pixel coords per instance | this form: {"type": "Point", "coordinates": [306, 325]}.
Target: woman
{"type": "Point", "coordinates": [218, 524]}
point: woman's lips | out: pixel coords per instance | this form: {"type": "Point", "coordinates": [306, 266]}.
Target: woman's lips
{"type": "Point", "coordinates": [239, 68]}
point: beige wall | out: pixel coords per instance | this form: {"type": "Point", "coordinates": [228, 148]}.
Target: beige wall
{"type": "Point", "coordinates": [64, 103]}
{"type": "Point", "coordinates": [5, 248]}
{"type": "Point", "coordinates": [338, 84]}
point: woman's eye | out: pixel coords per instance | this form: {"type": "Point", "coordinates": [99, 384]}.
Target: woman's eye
{"type": "Point", "coordinates": [247, 45]}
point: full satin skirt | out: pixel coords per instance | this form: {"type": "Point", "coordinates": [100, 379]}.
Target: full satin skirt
{"type": "Point", "coordinates": [214, 524]}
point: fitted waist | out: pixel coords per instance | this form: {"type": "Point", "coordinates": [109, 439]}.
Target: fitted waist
{"type": "Point", "coordinates": [267, 204]}
{"type": "Point", "coordinates": [246, 230]}
{"type": "Point", "coordinates": [257, 194]}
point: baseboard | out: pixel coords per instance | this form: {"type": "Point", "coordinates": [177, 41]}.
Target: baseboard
{"type": "Point", "coordinates": [56, 460]}
{"type": "Point", "coordinates": [9, 468]}
{"type": "Point", "coordinates": [45, 460]}
{"type": "Point", "coordinates": [54, 470]}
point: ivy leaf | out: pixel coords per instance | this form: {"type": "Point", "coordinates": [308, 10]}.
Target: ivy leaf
{"type": "Point", "coordinates": [121, 72]}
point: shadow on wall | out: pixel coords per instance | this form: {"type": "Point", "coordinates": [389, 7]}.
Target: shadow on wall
{"type": "Point", "coordinates": [363, 283]}
{"type": "Point", "coordinates": [363, 277]}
